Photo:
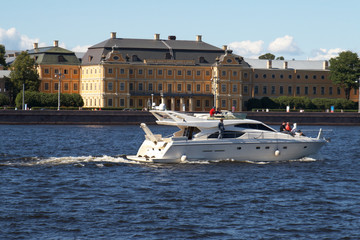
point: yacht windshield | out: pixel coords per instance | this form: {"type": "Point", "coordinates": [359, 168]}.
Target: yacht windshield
{"type": "Point", "coordinates": [227, 134]}
{"type": "Point", "coordinates": [254, 126]}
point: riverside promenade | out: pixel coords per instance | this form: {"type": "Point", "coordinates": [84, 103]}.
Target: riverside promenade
{"type": "Point", "coordinates": [108, 117]}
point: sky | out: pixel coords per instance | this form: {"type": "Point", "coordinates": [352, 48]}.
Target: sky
{"type": "Point", "coordinates": [300, 30]}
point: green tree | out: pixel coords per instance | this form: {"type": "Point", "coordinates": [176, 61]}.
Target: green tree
{"type": "Point", "coordinates": [4, 100]}
{"type": "Point", "coordinates": [2, 56]}
{"type": "Point", "coordinates": [267, 56]}
{"type": "Point", "coordinates": [24, 72]}
{"type": "Point", "coordinates": [345, 70]}
{"type": "Point", "coordinates": [280, 58]}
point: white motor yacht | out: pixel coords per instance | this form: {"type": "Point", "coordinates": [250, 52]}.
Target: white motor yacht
{"type": "Point", "coordinates": [243, 139]}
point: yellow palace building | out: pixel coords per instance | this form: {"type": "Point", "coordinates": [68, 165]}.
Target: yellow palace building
{"type": "Point", "coordinates": [185, 74]}
{"type": "Point", "coordinates": [189, 75]}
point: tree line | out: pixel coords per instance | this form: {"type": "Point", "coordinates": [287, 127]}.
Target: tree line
{"type": "Point", "coordinates": [299, 103]}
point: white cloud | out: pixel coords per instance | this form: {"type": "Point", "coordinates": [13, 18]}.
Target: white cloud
{"type": "Point", "coordinates": [284, 45]}
{"type": "Point", "coordinates": [247, 48]}
{"type": "Point", "coordinates": [79, 48]}
{"type": "Point", "coordinates": [13, 40]}
{"type": "Point", "coordinates": [325, 54]}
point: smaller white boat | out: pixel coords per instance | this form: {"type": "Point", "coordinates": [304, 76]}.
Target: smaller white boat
{"type": "Point", "coordinates": [243, 139]}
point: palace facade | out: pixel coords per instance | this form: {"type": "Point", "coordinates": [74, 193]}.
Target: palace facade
{"type": "Point", "coordinates": [57, 65]}
{"type": "Point", "coordinates": [184, 74]}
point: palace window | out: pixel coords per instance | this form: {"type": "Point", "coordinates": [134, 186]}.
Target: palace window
{"type": "Point", "coordinates": [338, 91]}
{"type": "Point", "coordinates": [66, 86]}
{"type": "Point", "coordinates": [131, 86]}
{"type": "Point", "coordinates": [160, 72]}
{"type": "Point", "coordinates": [56, 86]}
{"type": "Point", "coordinates": [234, 88]}
{"type": "Point", "coordinates": [198, 73]}
{"type": "Point", "coordinates": [264, 89]}
{"type": "Point", "coordinates": [150, 72]}
{"type": "Point", "coordinates": [245, 89]}
{"type": "Point", "coordinates": [246, 75]}
{"type": "Point", "coordinates": [150, 87]}
{"type": "Point", "coordinates": [122, 86]}
{"type": "Point", "coordinates": [298, 90]}
{"type": "Point", "coordinates": [179, 87]}
{"type": "Point", "coordinates": [330, 90]}
{"type": "Point", "coordinates": [314, 90]}
{"type": "Point", "coordinates": [110, 86]}
{"type": "Point", "coordinates": [223, 103]}
{"type": "Point", "coordinates": [140, 102]}
{"type": "Point", "coordinates": [46, 71]}
{"type": "Point", "coordinates": [131, 71]}
{"type": "Point", "coordinates": [179, 73]}
{"type": "Point", "coordinates": [289, 90]}
{"type": "Point", "coordinates": [122, 102]}
{"type": "Point", "coordinates": [160, 87]}
{"type": "Point", "coordinates": [46, 86]}
{"type": "Point", "coordinates": [223, 73]}
{"type": "Point", "coordinates": [322, 91]}
{"type": "Point", "coordinates": [110, 103]}
{"type": "Point", "coordinates": [273, 90]}
{"type": "Point", "coordinates": [198, 103]}
{"type": "Point", "coordinates": [110, 70]}
{"type": "Point", "coordinates": [223, 88]}
{"type": "Point", "coordinates": [207, 87]}
{"type": "Point", "coordinates": [169, 88]}
{"type": "Point", "coordinates": [75, 86]}
{"type": "Point", "coordinates": [169, 72]}
{"type": "Point", "coordinates": [306, 89]}
{"type": "Point", "coordinates": [140, 71]}
{"type": "Point", "coordinates": [207, 73]}
{"type": "Point", "coordinates": [198, 87]}
{"type": "Point", "coordinates": [256, 75]}
{"type": "Point", "coordinates": [188, 87]}
{"type": "Point", "coordinates": [140, 87]}
{"type": "Point", "coordinates": [281, 90]}
{"type": "Point", "coordinates": [188, 72]}
{"type": "Point", "coordinates": [264, 75]}
{"type": "Point", "coordinates": [256, 90]}
{"type": "Point", "coordinates": [122, 71]}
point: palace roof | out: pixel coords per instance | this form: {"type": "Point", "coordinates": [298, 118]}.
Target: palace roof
{"type": "Point", "coordinates": [139, 50]}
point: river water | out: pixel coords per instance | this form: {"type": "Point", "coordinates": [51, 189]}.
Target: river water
{"type": "Point", "coordinates": [71, 182]}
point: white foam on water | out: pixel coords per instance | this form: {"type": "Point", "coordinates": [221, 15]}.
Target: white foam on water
{"type": "Point", "coordinates": [78, 161]}
{"type": "Point", "coordinates": [101, 160]}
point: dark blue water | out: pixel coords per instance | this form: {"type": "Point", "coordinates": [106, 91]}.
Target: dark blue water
{"type": "Point", "coordinates": [70, 182]}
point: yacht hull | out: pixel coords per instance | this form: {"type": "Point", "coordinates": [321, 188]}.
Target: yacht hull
{"type": "Point", "coordinates": [236, 150]}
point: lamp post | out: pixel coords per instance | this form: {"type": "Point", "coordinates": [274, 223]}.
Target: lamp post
{"type": "Point", "coordinates": [23, 97]}
{"type": "Point", "coordinates": [59, 75]}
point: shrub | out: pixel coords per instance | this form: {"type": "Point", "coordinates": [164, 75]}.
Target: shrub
{"type": "Point", "coordinates": [4, 100]}
{"type": "Point", "coordinates": [39, 99]}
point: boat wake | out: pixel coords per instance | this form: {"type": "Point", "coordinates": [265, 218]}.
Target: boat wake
{"type": "Point", "coordinates": [101, 161]}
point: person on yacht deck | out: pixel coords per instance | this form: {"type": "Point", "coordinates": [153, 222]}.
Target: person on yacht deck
{"type": "Point", "coordinates": [221, 128]}
{"type": "Point", "coordinates": [212, 112]}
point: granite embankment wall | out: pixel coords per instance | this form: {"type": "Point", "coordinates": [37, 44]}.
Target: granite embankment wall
{"type": "Point", "coordinates": [137, 117]}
